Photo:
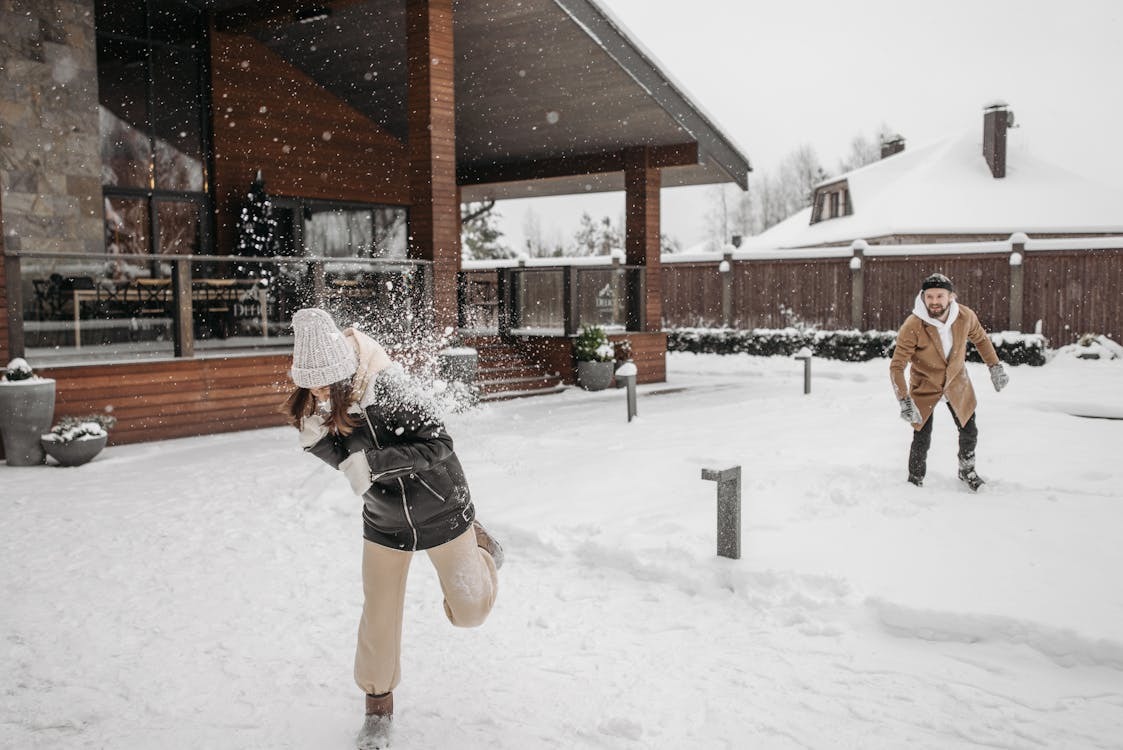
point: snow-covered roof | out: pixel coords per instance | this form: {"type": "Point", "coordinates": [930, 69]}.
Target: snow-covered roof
{"type": "Point", "coordinates": [946, 188]}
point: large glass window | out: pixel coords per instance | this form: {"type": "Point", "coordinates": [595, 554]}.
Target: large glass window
{"type": "Point", "coordinates": [151, 91]}
{"type": "Point", "coordinates": [355, 232]}
{"type": "Point", "coordinates": [126, 148]}
{"type": "Point", "coordinates": [151, 74]}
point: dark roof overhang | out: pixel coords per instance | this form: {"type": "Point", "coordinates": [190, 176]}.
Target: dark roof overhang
{"type": "Point", "coordinates": [550, 94]}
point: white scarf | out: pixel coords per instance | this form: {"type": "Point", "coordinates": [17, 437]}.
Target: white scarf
{"type": "Point", "coordinates": [942, 328]}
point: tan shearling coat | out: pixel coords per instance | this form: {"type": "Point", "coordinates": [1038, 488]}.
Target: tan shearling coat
{"type": "Point", "coordinates": [931, 376]}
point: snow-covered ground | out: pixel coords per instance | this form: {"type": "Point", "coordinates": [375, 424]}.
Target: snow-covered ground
{"type": "Point", "coordinates": [204, 593]}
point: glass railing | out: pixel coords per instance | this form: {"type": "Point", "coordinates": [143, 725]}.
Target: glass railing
{"type": "Point", "coordinates": [550, 300]}
{"type": "Point", "coordinates": [80, 308]}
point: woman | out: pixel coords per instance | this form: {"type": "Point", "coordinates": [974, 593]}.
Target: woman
{"type": "Point", "coordinates": [357, 411]}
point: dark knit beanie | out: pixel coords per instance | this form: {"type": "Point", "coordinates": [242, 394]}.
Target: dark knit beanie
{"type": "Point", "coordinates": [937, 281]}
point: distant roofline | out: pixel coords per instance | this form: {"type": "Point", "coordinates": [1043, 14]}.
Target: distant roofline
{"type": "Point", "coordinates": [641, 65]}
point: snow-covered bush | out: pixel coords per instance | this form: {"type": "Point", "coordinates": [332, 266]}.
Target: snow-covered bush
{"type": "Point", "coordinates": [70, 429]}
{"type": "Point", "coordinates": [17, 370]}
{"type": "Point", "coordinates": [1014, 348]}
{"type": "Point", "coordinates": [1093, 346]}
{"type": "Point", "coordinates": [847, 346]}
{"type": "Point", "coordinates": [592, 345]}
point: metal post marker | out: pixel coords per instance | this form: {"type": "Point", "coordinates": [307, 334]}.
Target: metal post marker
{"type": "Point", "coordinates": [805, 355]}
{"type": "Point", "coordinates": [728, 510]}
{"type": "Point", "coordinates": [627, 373]}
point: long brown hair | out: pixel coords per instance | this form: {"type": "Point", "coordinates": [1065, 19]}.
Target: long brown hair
{"type": "Point", "coordinates": [301, 403]}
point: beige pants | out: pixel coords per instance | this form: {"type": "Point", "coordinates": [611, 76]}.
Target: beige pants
{"type": "Point", "coordinates": [469, 584]}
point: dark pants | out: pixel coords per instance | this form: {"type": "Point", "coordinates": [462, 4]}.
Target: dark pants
{"type": "Point", "coordinates": [922, 440]}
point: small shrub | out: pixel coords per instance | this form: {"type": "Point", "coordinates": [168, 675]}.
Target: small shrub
{"type": "Point", "coordinates": [592, 345]}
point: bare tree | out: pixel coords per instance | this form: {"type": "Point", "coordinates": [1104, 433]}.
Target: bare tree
{"type": "Point", "coordinates": [864, 150]}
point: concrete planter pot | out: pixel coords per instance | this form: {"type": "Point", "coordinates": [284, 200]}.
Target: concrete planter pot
{"type": "Point", "coordinates": [459, 364]}
{"type": "Point", "coordinates": [595, 376]}
{"type": "Point", "coordinates": [74, 452]}
{"type": "Point", "coordinates": [26, 410]}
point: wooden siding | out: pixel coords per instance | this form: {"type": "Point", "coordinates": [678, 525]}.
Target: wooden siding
{"type": "Point", "coordinates": [765, 294]}
{"type": "Point", "coordinates": [176, 398]}
{"type": "Point", "coordinates": [691, 295]}
{"type": "Point", "coordinates": [1070, 292]}
{"type": "Point", "coordinates": [1073, 293]}
{"type": "Point", "coordinates": [555, 354]}
{"type": "Point", "coordinates": [270, 116]}
{"type": "Point", "coordinates": [982, 282]}
{"type": "Point", "coordinates": [775, 295]}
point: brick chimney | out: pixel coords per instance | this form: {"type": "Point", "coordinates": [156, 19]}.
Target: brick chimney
{"type": "Point", "coordinates": [996, 119]}
{"type": "Point", "coordinates": [892, 144]}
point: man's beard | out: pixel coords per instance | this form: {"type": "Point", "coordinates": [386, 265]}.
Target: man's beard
{"type": "Point", "coordinates": [936, 310]}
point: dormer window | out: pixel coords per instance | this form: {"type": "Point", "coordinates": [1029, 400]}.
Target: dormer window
{"type": "Point", "coordinates": [830, 202]}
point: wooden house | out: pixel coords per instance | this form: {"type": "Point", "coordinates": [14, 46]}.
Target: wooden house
{"type": "Point", "coordinates": [976, 186]}
{"type": "Point", "coordinates": [139, 272]}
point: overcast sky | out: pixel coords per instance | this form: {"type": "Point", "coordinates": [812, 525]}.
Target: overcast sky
{"type": "Point", "coordinates": [777, 74]}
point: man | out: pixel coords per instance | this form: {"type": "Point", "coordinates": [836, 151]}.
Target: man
{"type": "Point", "coordinates": [933, 340]}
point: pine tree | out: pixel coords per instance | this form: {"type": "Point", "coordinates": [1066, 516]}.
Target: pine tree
{"type": "Point", "coordinates": [479, 237]}
{"type": "Point", "coordinates": [257, 230]}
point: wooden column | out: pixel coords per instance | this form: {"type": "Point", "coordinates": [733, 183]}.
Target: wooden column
{"type": "Point", "coordinates": [434, 214]}
{"type": "Point", "coordinates": [641, 235]}
{"type": "Point", "coordinates": [1017, 280]}
{"type": "Point", "coordinates": [6, 308]}
{"type": "Point", "coordinates": [857, 285]}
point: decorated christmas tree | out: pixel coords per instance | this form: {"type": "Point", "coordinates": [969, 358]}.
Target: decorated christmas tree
{"type": "Point", "coordinates": [257, 229]}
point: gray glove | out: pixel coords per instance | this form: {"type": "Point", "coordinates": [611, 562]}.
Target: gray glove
{"type": "Point", "coordinates": [999, 377]}
{"type": "Point", "coordinates": [909, 412]}
{"type": "Point", "coordinates": [312, 430]}
{"type": "Point", "coordinates": [357, 470]}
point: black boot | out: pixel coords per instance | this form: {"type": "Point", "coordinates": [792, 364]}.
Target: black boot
{"type": "Point", "coordinates": [914, 479]}
{"type": "Point", "coordinates": [967, 473]}
{"type": "Point", "coordinates": [375, 734]}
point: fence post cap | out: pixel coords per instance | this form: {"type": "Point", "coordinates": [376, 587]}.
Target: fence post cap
{"type": "Point", "coordinates": [859, 246]}
{"type": "Point", "coordinates": [1019, 238]}
{"type": "Point", "coordinates": [721, 475]}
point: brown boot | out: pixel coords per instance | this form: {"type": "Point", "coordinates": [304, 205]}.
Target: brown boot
{"type": "Point", "coordinates": [375, 734]}
{"type": "Point", "coordinates": [486, 542]}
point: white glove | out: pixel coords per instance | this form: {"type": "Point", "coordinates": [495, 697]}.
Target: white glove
{"type": "Point", "coordinates": [909, 412]}
{"type": "Point", "coordinates": [312, 430]}
{"type": "Point", "coordinates": [998, 376]}
{"type": "Point", "coordinates": [358, 473]}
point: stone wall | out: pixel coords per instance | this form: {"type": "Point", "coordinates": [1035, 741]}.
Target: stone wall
{"type": "Point", "coordinates": [50, 167]}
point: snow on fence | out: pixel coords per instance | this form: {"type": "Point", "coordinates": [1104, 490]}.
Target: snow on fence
{"type": "Point", "coordinates": [1062, 288]}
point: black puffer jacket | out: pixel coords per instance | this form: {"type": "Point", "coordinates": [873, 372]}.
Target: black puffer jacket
{"type": "Point", "coordinates": [419, 498]}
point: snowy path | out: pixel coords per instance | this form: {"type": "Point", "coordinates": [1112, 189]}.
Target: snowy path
{"type": "Point", "coordinates": [204, 592]}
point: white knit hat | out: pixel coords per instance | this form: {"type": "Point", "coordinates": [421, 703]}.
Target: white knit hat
{"type": "Point", "coordinates": [320, 354]}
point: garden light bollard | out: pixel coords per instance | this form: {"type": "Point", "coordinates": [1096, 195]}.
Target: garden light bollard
{"type": "Point", "coordinates": [728, 510]}
{"type": "Point", "coordinates": [805, 355]}
{"type": "Point", "coordinates": [627, 373]}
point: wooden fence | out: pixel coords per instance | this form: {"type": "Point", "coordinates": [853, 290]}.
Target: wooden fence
{"type": "Point", "coordinates": [1065, 287]}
